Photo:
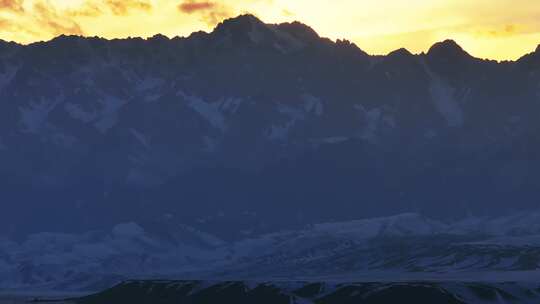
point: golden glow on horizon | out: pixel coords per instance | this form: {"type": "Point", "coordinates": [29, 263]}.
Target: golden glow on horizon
{"type": "Point", "coordinates": [495, 29]}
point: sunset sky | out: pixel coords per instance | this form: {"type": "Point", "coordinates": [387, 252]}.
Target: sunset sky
{"type": "Point", "coordinates": [496, 29]}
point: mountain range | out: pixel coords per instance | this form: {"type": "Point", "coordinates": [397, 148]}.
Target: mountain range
{"type": "Point", "coordinates": [258, 127]}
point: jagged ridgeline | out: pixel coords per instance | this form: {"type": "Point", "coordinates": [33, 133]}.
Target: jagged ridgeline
{"type": "Point", "coordinates": [262, 125]}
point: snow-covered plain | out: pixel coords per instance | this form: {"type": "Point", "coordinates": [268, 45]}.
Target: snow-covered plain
{"type": "Point", "coordinates": [406, 247]}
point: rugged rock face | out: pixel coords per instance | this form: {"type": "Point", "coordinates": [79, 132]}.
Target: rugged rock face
{"type": "Point", "coordinates": [261, 125]}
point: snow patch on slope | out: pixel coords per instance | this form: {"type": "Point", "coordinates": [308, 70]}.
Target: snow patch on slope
{"type": "Point", "coordinates": [149, 83]}
{"type": "Point", "coordinates": [286, 42]}
{"type": "Point", "coordinates": [256, 34]}
{"type": "Point", "coordinates": [128, 230]}
{"type": "Point", "coordinates": [512, 225]}
{"type": "Point", "coordinates": [444, 99]}
{"type": "Point", "coordinates": [210, 111]}
{"type": "Point", "coordinates": [75, 111]}
{"type": "Point", "coordinates": [447, 105]}
{"type": "Point", "coordinates": [292, 115]}
{"type": "Point", "coordinates": [7, 76]}
{"type": "Point", "coordinates": [280, 132]}
{"type": "Point", "coordinates": [373, 120]}
{"type": "Point", "coordinates": [230, 105]}
{"type": "Point", "coordinates": [330, 140]}
{"type": "Point", "coordinates": [313, 104]}
{"type": "Point", "coordinates": [34, 116]}
{"type": "Point", "coordinates": [109, 113]}
{"type": "Point", "coordinates": [410, 224]}
{"type": "Point", "coordinates": [140, 137]}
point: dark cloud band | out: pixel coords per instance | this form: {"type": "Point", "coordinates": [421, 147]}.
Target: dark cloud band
{"type": "Point", "coordinates": [192, 6]}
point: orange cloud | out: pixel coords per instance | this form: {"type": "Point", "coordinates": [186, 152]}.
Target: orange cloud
{"type": "Point", "coordinates": [10, 25]}
{"type": "Point", "coordinates": [88, 9]}
{"type": "Point", "coordinates": [123, 7]}
{"type": "Point", "coordinates": [211, 12]}
{"type": "Point", "coordinates": [12, 5]}
{"type": "Point", "coordinates": [192, 6]}
{"type": "Point", "coordinates": [508, 30]}
{"type": "Point", "coordinates": [53, 22]}
{"type": "Point", "coordinates": [115, 7]}
{"type": "Point", "coordinates": [5, 24]}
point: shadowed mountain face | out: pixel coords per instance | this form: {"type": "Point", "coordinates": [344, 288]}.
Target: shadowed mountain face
{"type": "Point", "coordinates": [259, 126]}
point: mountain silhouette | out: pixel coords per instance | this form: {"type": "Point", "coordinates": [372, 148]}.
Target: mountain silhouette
{"type": "Point", "coordinates": [266, 119]}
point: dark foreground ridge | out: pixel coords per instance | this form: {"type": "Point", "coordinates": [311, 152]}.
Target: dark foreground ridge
{"type": "Point", "coordinates": [163, 292]}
